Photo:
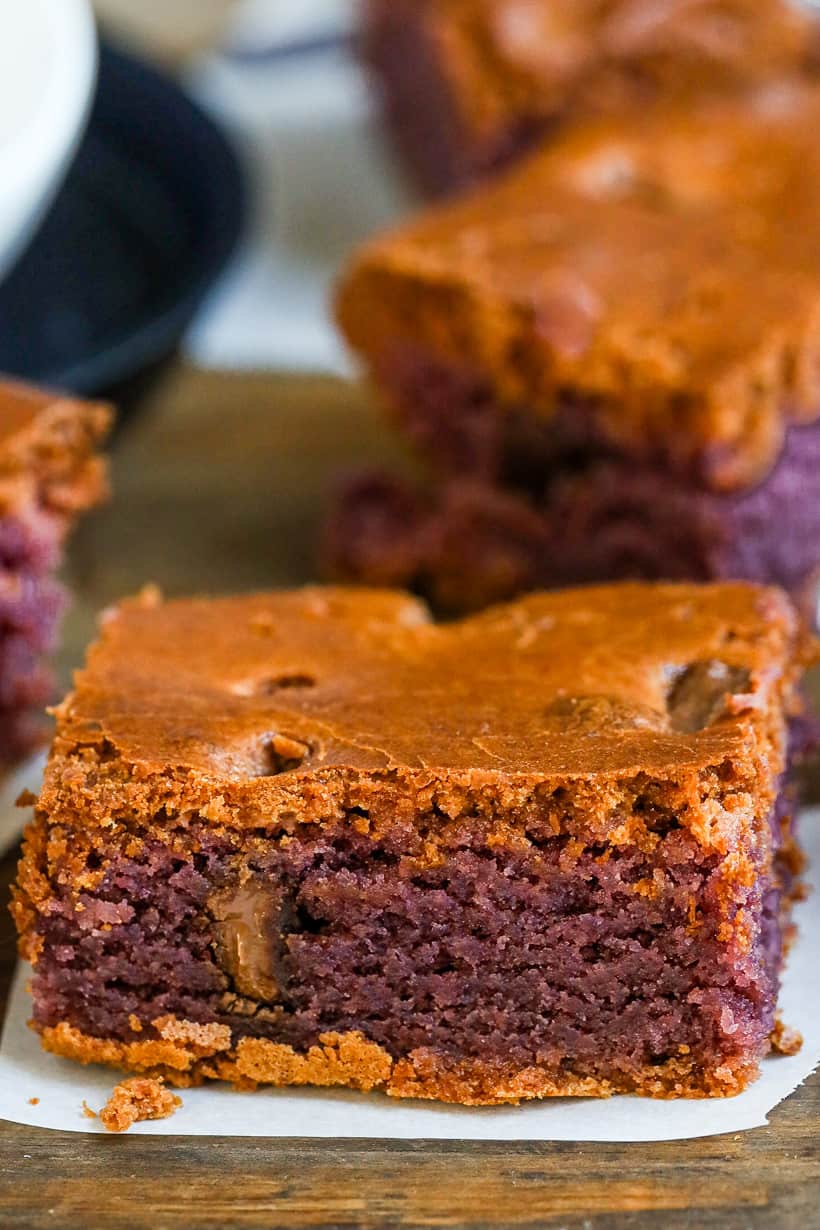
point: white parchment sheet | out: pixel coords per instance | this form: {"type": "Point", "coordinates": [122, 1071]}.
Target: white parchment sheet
{"type": "Point", "coordinates": [26, 1072]}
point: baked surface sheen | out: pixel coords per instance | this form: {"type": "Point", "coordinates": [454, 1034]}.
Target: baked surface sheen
{"type": "Point", "coordinates": [363, 680]}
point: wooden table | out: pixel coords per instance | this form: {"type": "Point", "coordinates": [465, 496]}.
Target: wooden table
{"type": "Point", "coordinates": [220, 485]}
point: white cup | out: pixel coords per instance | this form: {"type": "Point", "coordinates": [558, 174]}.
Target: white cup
{"type": "Point", "coordinates": [48, 57]}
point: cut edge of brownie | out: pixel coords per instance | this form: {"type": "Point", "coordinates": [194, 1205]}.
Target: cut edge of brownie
{"type": "Point", "coordinates": [50, 473]}
{"type": "Point", "coordinates": [363, 870]}
{"type": "Point", "coordinates": [470, 540]}
{"type": "Point", "coordinates": [513, 503]}
{"type": "Point", "coordinates": [461, 106]}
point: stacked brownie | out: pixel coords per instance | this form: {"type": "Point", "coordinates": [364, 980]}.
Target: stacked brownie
{"type": "Point", "coordinates": [470, 84]}
{"type": "Point", "coordinates": [610, 359]}
{"type": "Point", "coordinates": [314, 838]}
{"type": "Point", "coordinates": [49, 474]}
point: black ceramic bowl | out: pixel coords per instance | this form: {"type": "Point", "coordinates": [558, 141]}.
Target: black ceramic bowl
{"type": "Point", "coordinates": [146, 221]}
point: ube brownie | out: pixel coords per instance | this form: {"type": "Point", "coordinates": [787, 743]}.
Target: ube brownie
{"type": "Point", "coordinates": [314, 838]}
{"type": "Point", "coordinates": [50, 472]}
{"type": "Point", "coordinates": [611, 356]}
{"type": "Point", "coordinates": [468, 85]}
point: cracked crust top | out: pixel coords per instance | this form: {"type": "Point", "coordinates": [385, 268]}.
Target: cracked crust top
{"type": "Point", "coordinates": [276, 703]}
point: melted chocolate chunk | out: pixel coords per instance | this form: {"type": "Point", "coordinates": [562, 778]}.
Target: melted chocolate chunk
{"type": "Point", "coordinates": [699, 695]}
{"type": "Point", "coordinates": [249, 921]}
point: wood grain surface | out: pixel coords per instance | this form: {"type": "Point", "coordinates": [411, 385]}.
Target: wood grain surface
{"type": "Point", "coordinates": [220, 484]}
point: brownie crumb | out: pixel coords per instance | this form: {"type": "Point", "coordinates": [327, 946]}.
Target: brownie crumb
{"type": "Point", "coordinates": [136, 1099]}
{"type": "Point", "coordinates": [784, 1040]}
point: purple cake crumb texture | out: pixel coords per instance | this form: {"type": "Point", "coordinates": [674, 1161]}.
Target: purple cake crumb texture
{"type": "Point", "coordinates": [496, 954]}
{"type": "Point", "coordinates": [521, 504]}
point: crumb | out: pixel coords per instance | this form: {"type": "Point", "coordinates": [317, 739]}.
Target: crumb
{"type": "Point", "coordinates": [87, 1111]}
{"type": "Point", "coordinates": [785, 1041]}
{"type": "Point", "coordinates": [34, 1101]}
{"type": "Point", "coordinates": [135, 1099]}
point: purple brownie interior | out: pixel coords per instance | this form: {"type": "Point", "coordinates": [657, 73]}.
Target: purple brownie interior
{"type": "Point", "coordinates": [527, 954]}
{"type": "Point", "coordinates": [31, 602]}
{"type": "Point", "coordinates": [522, 504]}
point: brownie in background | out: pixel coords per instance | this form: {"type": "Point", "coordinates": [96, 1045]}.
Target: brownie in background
{"type": "Point", "coordinates": [469, 85]}
{"type": "Point", "coordinates": [609, 360]}
{"type": "Point", "coordinates": [50, 473]}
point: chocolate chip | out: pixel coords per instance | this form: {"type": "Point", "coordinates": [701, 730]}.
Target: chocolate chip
{"type": "Point", "coordinates": [699, 693]}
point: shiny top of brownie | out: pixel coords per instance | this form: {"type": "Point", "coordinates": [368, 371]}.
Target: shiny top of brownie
{"type": "Point", "coordinates": [281, 691]}
{"type": "Point", "coordinates": [48, 444]}
{"type": "Point", "coordinates": [661, 278]}
{"type": "Point", "coordinates": [507, 61]}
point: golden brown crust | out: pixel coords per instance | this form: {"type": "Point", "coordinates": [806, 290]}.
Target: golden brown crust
{"type": "Point", "coordinates": [165, 1055]}
{"type": "Point", "coordinates": [32, 890]}
{"type": "Point", "coordinates": [641, 268]}
{"type": "Point", "coordinates": [191, 706]}
{"type": "Point", "coordinates": [351, 1061]}
{"type": "Point", "coordinates": [48, 451]}
{"type": "Point", "coordinates": [339, 1059]}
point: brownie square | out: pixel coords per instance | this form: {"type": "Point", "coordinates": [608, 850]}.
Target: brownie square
{"type": "Point", "coordinates": [469, 85]}
{"type": "Point", "coordinates": [315, 838]}
{"type": "Point", "coordinates": [609, 358]}
{"type": "Point", "coordinates": [50, 473]}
